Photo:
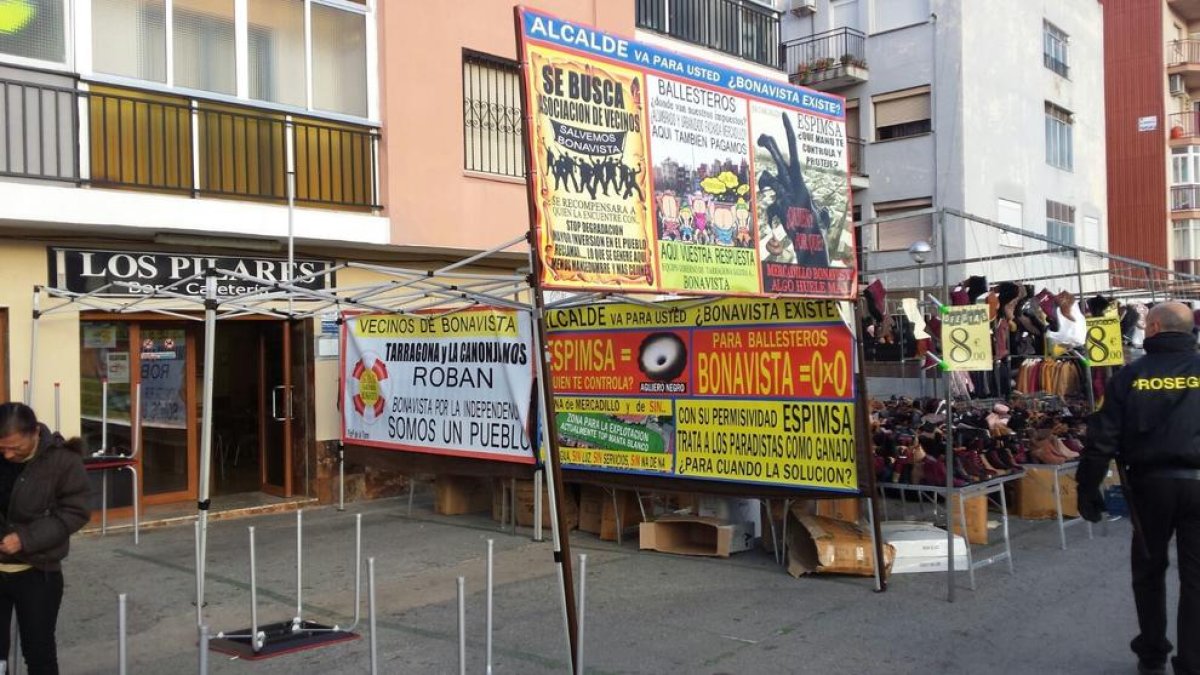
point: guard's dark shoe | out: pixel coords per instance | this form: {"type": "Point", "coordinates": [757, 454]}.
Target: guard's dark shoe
{"type": "Point", "coordinates": [1152, 668]}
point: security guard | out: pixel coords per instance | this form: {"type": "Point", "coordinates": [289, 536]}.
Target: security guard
{"type": "Point", "coordinates": [1150, 423]}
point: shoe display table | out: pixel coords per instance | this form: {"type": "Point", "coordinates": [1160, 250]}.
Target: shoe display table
{"type": "Point", "coordinates": [1063, 523]}
{"type": "Point", "coordinates": [994, 486]}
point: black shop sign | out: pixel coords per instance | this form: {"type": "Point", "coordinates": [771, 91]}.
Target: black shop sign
{"type": "Point", "coordinates": [134, 273]}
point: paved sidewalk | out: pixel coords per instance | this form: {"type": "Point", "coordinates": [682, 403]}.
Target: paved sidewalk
{"type": "Point", "coordinates": [1063, 612]}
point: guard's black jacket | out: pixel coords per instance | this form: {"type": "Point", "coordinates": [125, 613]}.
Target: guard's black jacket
{"type": "Point", "coordinates": [1151, 413]}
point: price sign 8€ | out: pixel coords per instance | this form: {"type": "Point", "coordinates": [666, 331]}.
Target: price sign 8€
{"type": "Point", "coordinates": [1104, 341]}
{"type": "Point", "coordinates": [966, 338]}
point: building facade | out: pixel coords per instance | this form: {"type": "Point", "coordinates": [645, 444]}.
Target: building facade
{"type": "Point", "coordinates": [993, 109]}
{"type": "Point", "coordinates": [145, 140]}
{"type": "Point", "coordinates": [1152, 72]}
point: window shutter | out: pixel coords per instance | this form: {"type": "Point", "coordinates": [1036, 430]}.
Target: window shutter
{"type": "Point", "coordinates": [902, 107]}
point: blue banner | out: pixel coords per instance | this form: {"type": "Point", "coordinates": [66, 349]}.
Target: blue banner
{"type": "Point", "coordinates": [555, 31]}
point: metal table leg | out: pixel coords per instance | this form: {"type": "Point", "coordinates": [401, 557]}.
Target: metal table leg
{"type": "Point", "coordinates": [962, 512]}
{"type": "Point", "coordinates": [1058, 509]}
{"type": "Point", "coordinates": [1004, 524]}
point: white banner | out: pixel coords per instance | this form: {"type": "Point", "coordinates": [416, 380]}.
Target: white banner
{"type": "Point", "coordinates": [452, 384]}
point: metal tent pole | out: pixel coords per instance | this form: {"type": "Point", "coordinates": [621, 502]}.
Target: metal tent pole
{"type": "Point", "coordinates": [490, 581]}
{"type": "Point", "coordinates": [371, 615]}
{"type": "Point", "coordinates": [554, 483]}
{"type": "Point", "coordinates": [122, 648]}
{"type": "Point", "coordinates": [299, 569]}
{"type": "Point", "coordinates": [33, 344]}
{"type": "Point", "coordinates": [582, 610]}
{"type": "Point", "coordinates": [462, 626]}
{"type": "Point", "coordinates": [202, 505]}
{"type": "Point", "coordinates": [290, 148]}
{"type": "Point", "coordinates": [253, 593]}
{"type": "Point", "coordinates": [949, 420]}
{"type": "Point", "coordinates": [341, 460]}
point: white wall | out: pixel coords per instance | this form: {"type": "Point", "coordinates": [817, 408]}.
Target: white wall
{"type": "Point", "coordinates": [1005, 87]}
{"type": "Point", "coordinates": [989, 88]}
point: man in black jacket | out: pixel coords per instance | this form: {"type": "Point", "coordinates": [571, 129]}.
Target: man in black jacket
{"type": "Point", "coordinates": [1150, 423]}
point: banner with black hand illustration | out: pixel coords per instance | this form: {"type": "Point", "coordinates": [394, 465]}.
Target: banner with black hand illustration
{"type": "Point", "coordinates": [450, 384]}
{"type": "Point", "coordinates": [656, 172]}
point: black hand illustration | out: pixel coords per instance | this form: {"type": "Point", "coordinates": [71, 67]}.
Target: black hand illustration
{"type": "Point", "coordinates": [792, 198]}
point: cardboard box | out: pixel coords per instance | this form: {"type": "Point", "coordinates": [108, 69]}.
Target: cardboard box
{"type": "Point", "coordinates": [525, 506]}
{"type": "Point", "coordinates": [846, 510]}
{"type": "Point", "coordinates": [694, 535]}
{"type": "Point", "coordinates": [977, 518]}
{"type": "Point", "coordinates": [591, 506]}
{"type": "Point", "coordinates": [458, 495]}
{"type": "Point", "coordinates": [626, 506]}
{"type": "Point", "coordinates": [818, 545]}
{"type": "Point", "coordinates": [919, 540]}
{"type": "Point", "coordinates": [1035, 495]}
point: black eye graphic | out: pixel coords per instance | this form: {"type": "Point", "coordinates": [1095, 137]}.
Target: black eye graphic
{"type": "Point", "coordinates": [662, 357]}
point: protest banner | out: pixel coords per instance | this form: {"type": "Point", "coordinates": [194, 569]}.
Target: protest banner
{"type": "Point", "coordinates": [753, 391]}
{"type": "Point", "coordinates": [654, 172]}
{"type": "Point", "coordinates": [450, 384]}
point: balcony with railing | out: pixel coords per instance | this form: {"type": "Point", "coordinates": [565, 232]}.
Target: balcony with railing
{"type": "Point", "coordinates": [1185, 198]}
{"type": "Point", "coordinates": [827, 61]}
{"type": "Point", "coordinates": [1184, 128]}
{"type": "Point", "coordinates": [855, 149]}
{"type": "Point", "coordinates": [740, 28]}
{"type": "Point", "coordinates": [1183, 59]}
{"type": "Point", "coordinates": [178, 145]}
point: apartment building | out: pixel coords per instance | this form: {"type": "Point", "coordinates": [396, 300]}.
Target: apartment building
{"type": "Point", "coordinates": [144, 140]}
{"type": "Point", "coordinates": [1152, 85]}
{"type": "Point", "coordinates": [994, 109]}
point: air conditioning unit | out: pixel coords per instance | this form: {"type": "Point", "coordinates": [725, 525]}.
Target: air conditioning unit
{"type": "Point", "coordinates": [803, 7]}
{"type": "Point", "coordinates": [1176, 85]}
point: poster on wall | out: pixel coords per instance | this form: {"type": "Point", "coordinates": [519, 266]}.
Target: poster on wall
{"type": "Point", "coordinates": [656, 172]}
{"type": "Point", "coordinates": [449, 384]}
{"type": "Point", "coordinates": [754, 391]}
{"type": "Point", "coordinates": [163, 376]}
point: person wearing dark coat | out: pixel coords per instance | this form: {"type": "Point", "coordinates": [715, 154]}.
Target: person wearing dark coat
{"type": "Point", "coordinates": [43, 501]}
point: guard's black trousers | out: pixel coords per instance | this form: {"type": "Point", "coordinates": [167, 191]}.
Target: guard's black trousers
{"type": "Point", "coordinates": [36, 595]}
{"type": "Point", "coordinates": [1166, 507]}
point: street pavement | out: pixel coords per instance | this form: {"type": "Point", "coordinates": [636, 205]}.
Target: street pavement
{"type": "Point", "coordinates": [1062, 612]}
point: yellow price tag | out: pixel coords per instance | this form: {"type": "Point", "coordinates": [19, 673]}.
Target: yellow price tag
{"type": "Point", "coordinates": [1104, 346]}
{"type": "Point", "coordinates": [966, 338]}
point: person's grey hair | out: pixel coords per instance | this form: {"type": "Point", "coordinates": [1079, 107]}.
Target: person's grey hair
{"type": "Point", "coordinates": [1172, 317]}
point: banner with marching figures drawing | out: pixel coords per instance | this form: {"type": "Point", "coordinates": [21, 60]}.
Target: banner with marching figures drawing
{"type": "Point", "coordinates": [655, 172]}
{"type": "Point", "coordinates": [753, 391]}
{"type": "Point", "coordinates": [459, 383]}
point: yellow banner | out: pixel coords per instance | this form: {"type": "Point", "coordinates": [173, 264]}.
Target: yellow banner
{"type": "Point", "coordinates": [1104, 346]}
{"type": "Point", "coordinates": [967, 338]}
{"type": "Point", "coordinates": [467, 324]}
{"type": "Point", "coordinates": [804, 444]}
{"type": "Point", "coordinates": [686, 314]}
{"type": "Point", "coordinates": [590, 172]}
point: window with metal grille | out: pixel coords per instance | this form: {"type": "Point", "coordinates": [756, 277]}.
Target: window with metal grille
{"type": "Point", "coordinates": [1060, 137]}
{"type": "Point", "coordinates": [493, 139]}
{"type": "Point", "coordinates": [1054, 48]}
{"type": "Point", "coordinates": [1060, 224]}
